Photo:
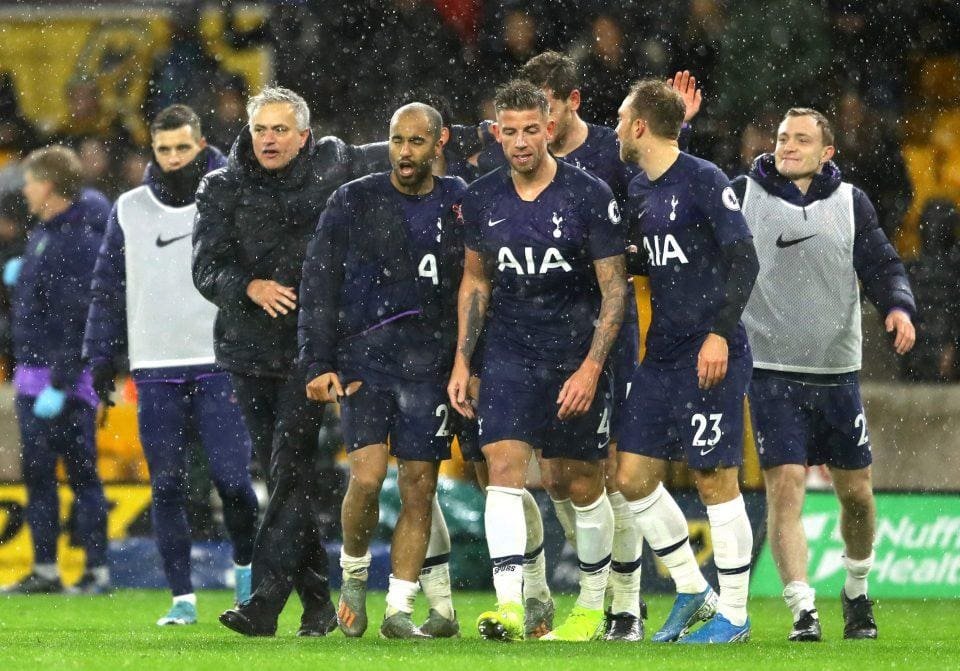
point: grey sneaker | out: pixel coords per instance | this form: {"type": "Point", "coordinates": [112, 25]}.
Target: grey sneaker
{"type": "Point", "coordinates": [437, 626]}
{"type": "Point", "coordinates": [352, 608]}
{"type": "Point", "coordinates": [35, 584]}
{"type": "Point", "coordinates": [538, 618]}
{"type": "Point", "coordinates": [400, 625]}
{"type": "Point", "coordinates": [88, 584]}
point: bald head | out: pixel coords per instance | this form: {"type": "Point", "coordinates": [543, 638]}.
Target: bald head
{"type": "Point", "coordinates": [433, 119]}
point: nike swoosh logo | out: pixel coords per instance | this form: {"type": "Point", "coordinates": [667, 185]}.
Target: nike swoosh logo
{"type": "Point", "coordinates": [164, 243]}
{"type": "Point", "coordinates": [783, 244]}
{"type": "Point", "coordinates": [491, 222]}
{"type": "Point", "coordinates": [704, 453]}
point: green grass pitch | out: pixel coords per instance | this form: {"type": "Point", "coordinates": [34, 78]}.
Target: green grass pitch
{"type": "Point", "coordinates": [118, 632]}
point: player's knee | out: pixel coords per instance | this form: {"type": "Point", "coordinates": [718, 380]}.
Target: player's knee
{"type": "Point", "coordinates": [856, 498]}
{"type": "Point", "coordinates": [585, 490]}
{"type": "Point", "coordinates": [506, 475]}
{"type": "Point", "coordinates": [636, 485]}
{"type": "Point", "coordinates": [367, 481]}
{"type": "Point", "coordinates": [785, 480]}
{"type": "Point", "coordinates": [552, 483]}
{"type": "Point", "coordinates": [626, 486]}
{"type": "Point", "coordinates": [417, 489]}
{"type": "Point", "coordinates": [717, 486]}
{"type": "Point", "coordinates": [785, 490]}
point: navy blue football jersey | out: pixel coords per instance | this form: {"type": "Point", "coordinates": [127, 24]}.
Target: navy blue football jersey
{"type": "Point", "coordinates": [545, 296]}
{"type": "Point", "coordinates": [403, 344]}
{"type": "Point", "coordinates": [682, 220]}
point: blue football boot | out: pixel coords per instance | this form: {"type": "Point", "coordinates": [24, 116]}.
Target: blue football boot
{"type": "Point", "coordinates": [719, 629]}
{"type": "Point", "coordinates": [688, 609]}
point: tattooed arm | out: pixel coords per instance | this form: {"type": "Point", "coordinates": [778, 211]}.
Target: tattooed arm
{"type": "Point", "coordinates": [578, 391]}
{"type": "Point", "coordinates": [612, 277]}
{"type": "Point", "coordinates": [472, 301]}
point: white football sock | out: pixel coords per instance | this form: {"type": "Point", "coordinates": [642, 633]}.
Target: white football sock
{"type": "Point", "coordinates": [401, 595]}
{"type": "Point", "coordinates": [534, 560]}
{"type": "Point", "coordinates": [190, 598]}
{"type": "Point", "coordinates": [661, 522]}
{"type": "Point", "coordinates": [568, 519]}
{"type": "Point", "coordinates": [594, 546]}
{"type": "Point", "coordinates": [732, 549]}
{"type": "Point", "coordinates": [355, 567]}
{"type": "Point", "coordinates": [435, 574]}
{"type": "Point", "coordinates": [625, 567]}
{"type": "Point", "coordinates": [800, 597]}
{"type": "Point", "coordinates": [506, 532]}
{"type": "Point", "coordinates": [857, 571]}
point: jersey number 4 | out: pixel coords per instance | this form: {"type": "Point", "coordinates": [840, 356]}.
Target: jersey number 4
{"type": "Point", "coordinates": [428, 268]}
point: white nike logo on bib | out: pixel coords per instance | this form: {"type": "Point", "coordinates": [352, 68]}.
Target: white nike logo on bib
{"type": "Point", "coordinates": [491, 222]}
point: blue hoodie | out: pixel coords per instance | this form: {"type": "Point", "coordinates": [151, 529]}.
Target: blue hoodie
{"type": "Point", "coordinates": [50, 299]}
{"type": "Point", "coordinates": [106, 324]}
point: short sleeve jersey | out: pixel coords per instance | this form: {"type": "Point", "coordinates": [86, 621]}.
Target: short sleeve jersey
{"type": "Point", "coordinates": [545, 297]}
{"type": "Point", "coordinates": [682, 220]}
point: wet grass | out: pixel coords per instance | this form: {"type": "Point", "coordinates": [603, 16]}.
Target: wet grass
{"type": "Point", "coordinates": [118, 632]}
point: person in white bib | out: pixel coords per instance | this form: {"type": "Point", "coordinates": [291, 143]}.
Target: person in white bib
{"type": "Point", "coordinates": [818, 240]}
{"type": "Point", "coordinates": [145, 306]}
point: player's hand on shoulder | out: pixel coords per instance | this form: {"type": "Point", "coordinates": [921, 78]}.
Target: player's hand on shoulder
{"type": "Point", "coordinates": [899, 323]}
{"type": "Point", "coordinates": [712, 361]}
{"type": "Point", "coordinates": [576, 395]}
{"type": "Point", "coordinates": [273, 297]}
{"type": "Point", "coordinates": [326, 388]}
{"type": "Point", "coordinates": [458, 389]}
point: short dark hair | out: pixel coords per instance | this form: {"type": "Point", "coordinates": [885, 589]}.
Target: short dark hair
{"type": "Point", "coordinates": [520, 94]}
{"type": "Point", "coordinates": [554, 71]}
{"type": "Point", "coordinates": [434, 119]}
{"type": "Point", "coordinates": [819, 117]}
{"type": "Point", "coordinates": [177, 116]}
{"type": "Point", "coordinates": [58, 165]}
{"type": "Point", "coordinates": [657, 103]}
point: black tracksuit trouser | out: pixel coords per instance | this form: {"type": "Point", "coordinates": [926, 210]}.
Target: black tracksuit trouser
{"type": "Point", "coordinates": [284, 427]}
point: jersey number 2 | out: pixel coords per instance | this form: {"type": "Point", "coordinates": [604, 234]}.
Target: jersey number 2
{"type": "Point", "coordinates": [861, 423]}
{"type": "Point", "coordinates": [444, 413]}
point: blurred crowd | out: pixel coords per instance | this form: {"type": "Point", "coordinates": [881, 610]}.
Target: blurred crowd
{"type": "Point", "coordinates": [356, 62]}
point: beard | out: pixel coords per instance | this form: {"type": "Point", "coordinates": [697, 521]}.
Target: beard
{"type": "Point", "coordinates": [628, 154]}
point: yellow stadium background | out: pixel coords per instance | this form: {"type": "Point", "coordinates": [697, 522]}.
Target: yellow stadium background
{"type": "Point", "coordinates": [113, 50]}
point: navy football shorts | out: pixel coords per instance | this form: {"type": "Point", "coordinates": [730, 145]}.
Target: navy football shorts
{"type": "Point", "coordinates": [414, 415]}
{"type": "Point", "coordinates": [669, 417]}
{"type": "Point", "coordinates": [520, 403]}
{"type": "Point", "coordinates": [468, 438]}
{"type": "Point", "coordinates": [622, 363]}
{"type": "Point", "coordinates": [809, 424]}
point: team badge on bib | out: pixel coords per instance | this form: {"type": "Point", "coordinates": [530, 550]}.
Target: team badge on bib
{"type": "Point", "coordinates": [729, 199]}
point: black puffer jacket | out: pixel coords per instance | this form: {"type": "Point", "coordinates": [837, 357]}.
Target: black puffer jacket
{"type": "Point", "coordinates": [255, 224]}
